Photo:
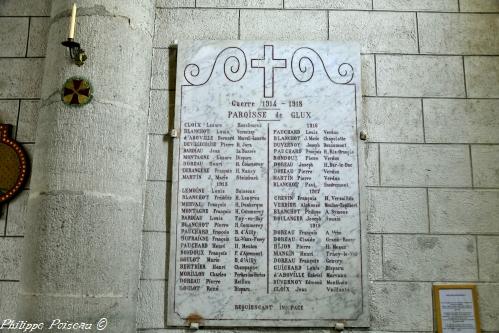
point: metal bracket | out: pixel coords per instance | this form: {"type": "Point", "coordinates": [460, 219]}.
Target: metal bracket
{"type": "Point", "coordinates": [75, 51]}
{"type": "Point", "coordinates": [174, 133]}
{"type": "Point", "coordinates": [194, 326]}
{"type": "Point", "coordinates": [339, 326]}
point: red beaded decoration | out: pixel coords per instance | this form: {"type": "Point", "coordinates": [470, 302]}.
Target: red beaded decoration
{"type": "Point", "coordinates": [23, 163]}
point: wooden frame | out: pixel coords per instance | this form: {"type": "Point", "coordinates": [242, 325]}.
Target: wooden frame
{"type": "Point", "coordinates": [23, 163]}
{"type": "Point", "coordinates": [437, 304]}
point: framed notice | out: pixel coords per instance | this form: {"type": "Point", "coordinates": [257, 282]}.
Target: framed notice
{"type": "Point", "coordinates": [456, 308]}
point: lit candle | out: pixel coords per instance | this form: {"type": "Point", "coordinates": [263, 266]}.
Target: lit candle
{"type": "Point", "coordinates": [72, 23]}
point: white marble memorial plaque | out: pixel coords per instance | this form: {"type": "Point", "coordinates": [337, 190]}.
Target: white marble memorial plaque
{"type": "Point", "coordinates": [266, 206]}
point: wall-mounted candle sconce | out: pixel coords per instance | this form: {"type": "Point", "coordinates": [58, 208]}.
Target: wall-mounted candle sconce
{"type": "Point", "coordinates": [75, 51]}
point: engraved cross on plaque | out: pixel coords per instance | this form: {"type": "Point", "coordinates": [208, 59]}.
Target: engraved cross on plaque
{"type": "Point", "coordinates": [268, 63]}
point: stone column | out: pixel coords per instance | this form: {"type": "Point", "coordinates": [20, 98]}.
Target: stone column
{"type": "Point", "coordinates": [83, 231]}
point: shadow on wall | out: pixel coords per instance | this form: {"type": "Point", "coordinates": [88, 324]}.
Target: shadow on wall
{"type": "Point", "coordinates": [172, 78]}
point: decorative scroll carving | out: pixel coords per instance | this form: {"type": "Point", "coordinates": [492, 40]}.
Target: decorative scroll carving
{"type": "Point", "coordinates": [302, 66]}
{"type": "Point", "coordinates": [235, 66]}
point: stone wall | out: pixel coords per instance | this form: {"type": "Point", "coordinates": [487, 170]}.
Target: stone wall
{"type": "Point", "coordinates": [431, 99]}
{"type": "Point", "coordinates": [23, 35]}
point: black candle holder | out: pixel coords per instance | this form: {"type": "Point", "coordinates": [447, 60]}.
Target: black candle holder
{"type": "Point", "coordinates": [76, 53]}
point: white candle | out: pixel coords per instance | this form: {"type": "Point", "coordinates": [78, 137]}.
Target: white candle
{"type": "Point", "coordinates": [72, 23]}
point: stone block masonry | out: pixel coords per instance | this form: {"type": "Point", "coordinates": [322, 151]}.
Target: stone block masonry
{"type": "Point", "coordinates": [377, 32]}
{"type": "Point", "coordinates": [430, 82]}
{"type": "Point", "coordinates": [281, 25]}
{"type": "Point", "coordinates": [482, 75]}
{"type": "Point", "coordinates": [472, 33]}
{"type": "Point", "coordinates": [82, 193]}
{"type": "Point", "coordinates": [430, 258]}
{"type": "Point", "coordinates": [461, 121]}
{"type": "Point", "coordinates": [394, 119]}
{"type": "Point", "coordinates": [327, 4]}
{"type": "Point", "coordinates": [420, 76]}
{"type": "Point", "coordinates": [240, 3]}
{"type": "Point", "coordinates": [25, 8]}
{"type": "Point", "coordinates": [425, 165]}
{"type": "Point", "coordinates": [429, 100]}
{"type": "Point", "coordinates": [417, 5]}
{"type": "Point", "coordinates": [13, 34]}
{"type": "Point", "coordinates": [397, 210]}
{"type": "Point", "coordinates": [23, 36]}
{"type": "Point", "coordinates": [20, 78]}
{"type": "Point", "coordinates": [389, 313]}
{"type": "Point", "coordinates": [486, 165]}
{"type": "Point", "coordinates": [464, 211]}
{"type": "Point", "coordinates": [479, 6]}
{"type": "Point", "coordinates": [177, 24]}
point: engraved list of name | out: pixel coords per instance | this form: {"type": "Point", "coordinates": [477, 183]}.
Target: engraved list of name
{"type": "Point", "coordinates": [266, 219]}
